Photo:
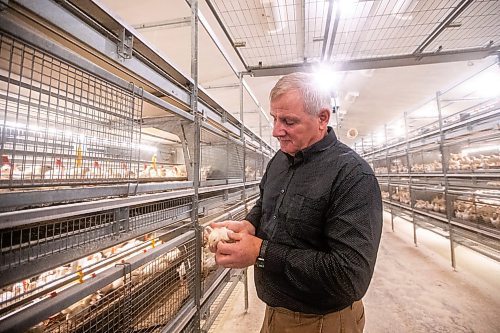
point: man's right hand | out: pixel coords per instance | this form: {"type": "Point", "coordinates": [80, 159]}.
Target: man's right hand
{"type": "Point", "coordinates": [243, 226]}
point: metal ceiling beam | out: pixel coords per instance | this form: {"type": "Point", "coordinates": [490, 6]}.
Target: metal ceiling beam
{"type": "Point", "coordinates": [327, 30]}
{"type": "Point", "coordinates": [382, 62]}
{"type": "Point", "coordinates": [333, 32]}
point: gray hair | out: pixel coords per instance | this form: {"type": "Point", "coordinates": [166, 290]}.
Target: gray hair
{"type": "Point", "coordinates": [313, 96]}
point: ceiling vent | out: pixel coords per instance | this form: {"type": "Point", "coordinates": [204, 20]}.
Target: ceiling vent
{"type": "Point", "coordinates": [352, 133]}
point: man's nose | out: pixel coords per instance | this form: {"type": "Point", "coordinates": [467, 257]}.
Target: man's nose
{"type": "Point", "coordinates": [278, 130]}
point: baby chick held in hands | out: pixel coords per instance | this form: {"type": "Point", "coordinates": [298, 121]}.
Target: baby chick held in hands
{"type": "Point", "coordinates": [216, 235]}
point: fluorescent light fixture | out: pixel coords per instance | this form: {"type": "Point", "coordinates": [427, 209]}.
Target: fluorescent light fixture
{"type": "Point", "coordinates": [147, 148]}
{"type": "Point", "coordinates": [79, 138]}
{"type": "Point", "coordinates": [396, 129]}
{"type": "Point", "coordinates": [379, 138]}
{"type": "Point", "coordinates": [325, 77]}
{"type": "Point", "coordinates": [467, 151]}
{"type": "Point", "coordinates": [425, 111]}
{"type": "Point", "coordinates": [485, 84]}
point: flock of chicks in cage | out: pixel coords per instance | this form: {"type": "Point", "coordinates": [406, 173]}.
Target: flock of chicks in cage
{"type": "Point", "coordinates": [456, 162]}
{"type": "Point", "coordinates": [73, 273]}
{"type": "Point", "coordinates": [465, 162]}
{"type": "Point", "coordinates": [70, 169]}
{"type": "Point", "coordinates": [401, 195]}
{"type": "Point", "coordinates": [467, 210]}
{"type": "Point", "coordinates": [436, 204]}
{"type": "Point", "coordinates": [473, 211]}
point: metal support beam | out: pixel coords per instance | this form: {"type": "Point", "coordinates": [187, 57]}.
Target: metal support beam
{"type": "Point", "coordinates": [327, 31]}
{"type": "Point", "coordinates": [174, 23]}
{"type": "Point", "coordinates": [223, 86]}
{"type": "Point", "coordinates": [333, 31]}
{"type": "Point", "coordinates": [382, 62]}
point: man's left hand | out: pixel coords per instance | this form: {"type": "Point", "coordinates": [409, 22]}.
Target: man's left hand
{"type": "Point", "coordinates": [240, 254]}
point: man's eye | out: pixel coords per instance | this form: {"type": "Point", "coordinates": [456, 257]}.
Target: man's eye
{"type": "Point", "coordinates": [289, 122]}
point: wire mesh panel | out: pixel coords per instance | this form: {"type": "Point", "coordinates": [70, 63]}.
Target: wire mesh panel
{"type": "Point", "coordinates": [235, 161]}
{"type": "Point", "coordinates": [273, 33]}
{"type": "Point", "coordinates": [253, 165]}
{"type": "Point", "coordinates": [221, 158]}
{"type": "Point", "coordinates": [70, 238]}
{"type": "Point", "coordinates": [32, 242]}
{"type": "Point", "coordinates": [145, 299]}
{"type": "Point", "coordinates": [159, 212]}
{"type": "Point", "coordinates": [60, 124]}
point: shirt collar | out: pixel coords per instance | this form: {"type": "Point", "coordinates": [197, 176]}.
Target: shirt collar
{"type": "Point", "coordinates": [329, 140]}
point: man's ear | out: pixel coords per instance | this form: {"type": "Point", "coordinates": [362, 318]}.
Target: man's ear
{"type": "Point", "coordinates": [324, 118]}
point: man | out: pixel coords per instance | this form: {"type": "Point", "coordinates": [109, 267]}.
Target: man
{"type": "Point", "coordinates": [314, 233]}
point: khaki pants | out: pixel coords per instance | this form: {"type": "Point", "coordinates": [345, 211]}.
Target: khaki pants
{"type": "Point", "coordinates": [348, 320]}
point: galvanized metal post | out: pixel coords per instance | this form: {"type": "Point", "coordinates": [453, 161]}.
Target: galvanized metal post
{"type": "Point", "coordinates": [242, 138]}
{"type": "Point", "coordinates": [196, 160]}
{"type": "Point", "coordinates": [409, 188]}
{"type": "Point", "coordinates": [388, 176]}
{"type": "Point", "coordinates": [444, 165]}
{"type": "Point", "coordinates": [244, 194]}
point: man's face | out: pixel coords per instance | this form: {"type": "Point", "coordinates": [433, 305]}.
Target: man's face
{"type": "Point", "coordinates": [293, 127]}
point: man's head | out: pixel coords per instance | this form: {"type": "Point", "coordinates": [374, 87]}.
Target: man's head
{"type": "Point", "coordinates": [301, 112]}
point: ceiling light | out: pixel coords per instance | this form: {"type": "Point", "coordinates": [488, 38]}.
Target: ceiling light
{"type": "Point", "coordinates": [485, 84]}
{"type": "Point", "coordinates": [325, 77]}
{"type": "Point", "coordinates": [428, 110]}
{"type": "Point", "coordinates": [492, 149]}
{"type": "Point", "coordinates": [378, 138]}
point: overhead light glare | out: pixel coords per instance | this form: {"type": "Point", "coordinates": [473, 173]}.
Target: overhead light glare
{"type": "Point", "coordinates": [485, 85]}
{"type": "Point", "coordinates": [468, 151]}
{"type": "Point", "coordinates": [325, 77]}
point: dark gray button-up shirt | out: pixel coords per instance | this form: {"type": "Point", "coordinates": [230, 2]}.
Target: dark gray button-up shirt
{"type": "Point", "coordinates": [321, 212]}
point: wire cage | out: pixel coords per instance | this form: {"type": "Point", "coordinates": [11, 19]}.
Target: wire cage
{"type": "Point", "coordinates": [476, 152]}
{"type": "Point", "coordinates": [397, 162]}
{"type": "Point", "coordinates": [221, 158]}
{"type": "Point", "coordinates": [380, 165]}
{"type": "Point", "coordinates": [429, 200]}
{"type": "Point", "coordinates": [29, 249]}
{"type": "Point", "coordinates": [60, 124]}
{"type": "Point", "coordinates": [145, 299]}
{"type": "Point", "coordinates": [479, 208]}
{"type": "Point", "coordinates": [400, 194]}
{"type": "Point", "coordinates": [253, 165]}
{"type": "Point", "coordinates": [426, 159]}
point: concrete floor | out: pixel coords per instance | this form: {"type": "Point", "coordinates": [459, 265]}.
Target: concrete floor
{"type": "Point", "coordinates": [414, 289]}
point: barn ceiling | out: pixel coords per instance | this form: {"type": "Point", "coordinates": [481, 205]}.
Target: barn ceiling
{"type": "Point", "coordinates": [387, 56]}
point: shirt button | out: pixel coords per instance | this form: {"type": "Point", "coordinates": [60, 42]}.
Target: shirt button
{"type": "Point", "coordinates": [274, 217]}
{"type": "Point", "coordinates": [282, 191]}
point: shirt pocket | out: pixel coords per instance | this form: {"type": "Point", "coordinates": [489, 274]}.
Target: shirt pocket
{"type": "Point", "coordinates": [305, 218]}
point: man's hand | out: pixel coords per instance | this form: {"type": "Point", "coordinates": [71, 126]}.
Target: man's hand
{"type": "Point", "coordinates": [243, 252]}
{"type": "Point", "coordinates": [242, 226]}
